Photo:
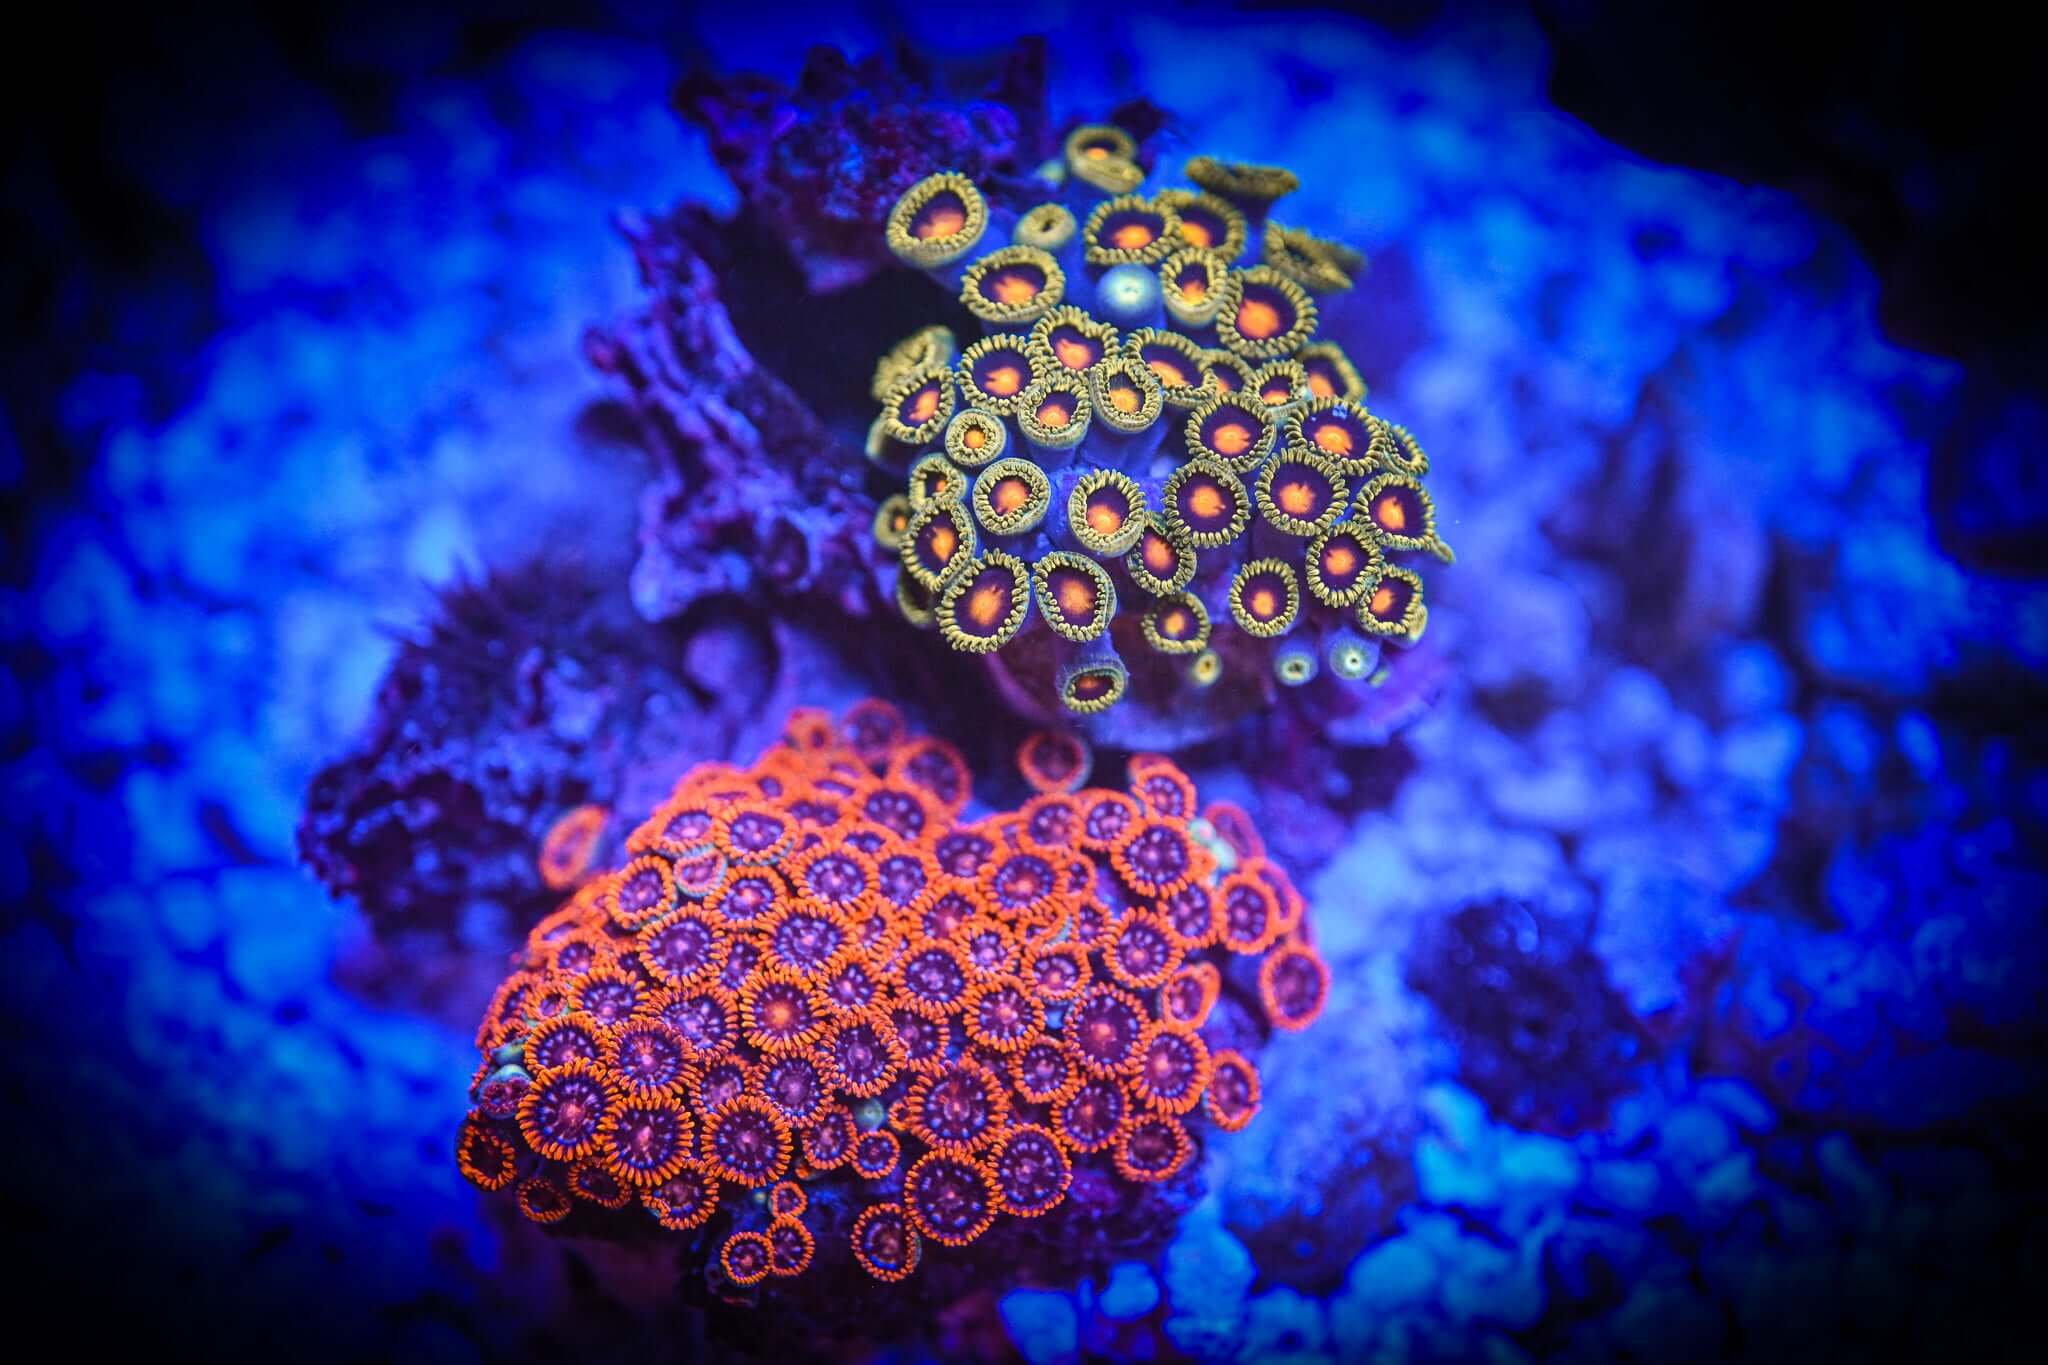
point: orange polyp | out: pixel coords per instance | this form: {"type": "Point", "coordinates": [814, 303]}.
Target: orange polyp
{"type": "Point", "coordinates": [1073, 352]}
{"type": "Point", "coordinates": [1258, 319]}
{"type": "Point", "coordinates": [1104, 519]}
{"type": "Point", "coordinates": [1077, 598]}
{"type": "Point", "coordinates": [1013, 287]}
{"type": "Point", "coordinates": [942, 217]}
{"type": "Point", "coordinates": [1197, 233]}
{"type": "Point", "coordinates": [1296, 498]}
{"type": "Point", "coordinates": [1263, 603]}
{"type": "Point", "coordinates": [922, 406]}
{"type": "Point", "coordinates": [1332, 438]}
{"type": "Point", "coordinates": [1124, 396]}
{"type": "Point", "coordinates": [1276, 394]}
{"type": "Point", "coordinates": [986, 606]}
{"type": "Point", "coordinates": [1010, 494]}
{"type": "Point", "coordinates": [565, 852]}
{"type": "Point", "coordinates": [1003, 380]}
{"type": "Point", "coordinates": [1230, 438]}
{"type": "Point", "coordinates": [1053, 414]}
{"type": "Point", "coordinates": [1097, 152]}
{"type": "Point", "coordinates": [1194, 285]}
{"type": "Point", "coordinates": [1091, 685]}
{"type": "Point", "coordinates": [1339, 560]}
{"type": "Point", "coordinates": [1169, 372]}
{"type": "Point", "coordinates": [1159, 556]}
{"type": "Point", "coordinates": [974, 438]}
{"type": "Point", "coordinates": [1132, 237]}
{"type": "Point", "coordinates": [944, 540]}
{"type": "Point", "coordinates": [1319, 384]}
{"type": "Point", "coordinates": [1382, 600]}
{"type": "Point", "coordinates": [1208, 502]}
{"type": "Point", "coordinates": [1175, 624]}
{"type": "Point", "coordinates": [1390, 514]}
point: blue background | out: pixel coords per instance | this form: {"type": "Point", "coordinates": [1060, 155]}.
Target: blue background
{"type": "Point", "coordinates": [1781, 795]}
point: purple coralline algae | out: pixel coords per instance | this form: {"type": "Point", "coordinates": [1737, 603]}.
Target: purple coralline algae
{"type": "Point", "coordinates": [1541, 1035]}
{"type": "Point", "coordinates": [747, 498]}
{"type": "Point", "coordinates": [819, 162]}
{"type": "Point", "coordinates": [534, 696]}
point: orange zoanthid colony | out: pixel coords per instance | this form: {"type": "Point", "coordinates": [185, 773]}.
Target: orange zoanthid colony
{"type": "Point", "coordinates": [817, 975]}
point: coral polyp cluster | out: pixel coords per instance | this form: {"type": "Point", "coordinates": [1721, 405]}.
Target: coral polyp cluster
{"type": "Point", "coordinates": [817, 980]}
{"type": "Point", "coordinates": [1147, 474]}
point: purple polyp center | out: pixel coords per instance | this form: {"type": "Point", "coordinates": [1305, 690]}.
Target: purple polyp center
{"type": "Point", "coordinates": [562, 1045]}
{"type": "Point", "coordinates": [746, 1143]}
{"type": "Point", "coordinates": [920, 1036]}
{"type": "Point", "coordinates": [688, 827]}
{"type": "Point", "coordinates": [747, 898]}
{"type": "Point", "coordinates": [611, 1001]}
{"type": "Point", "coordinates": [806, 941]}
{"type": "Point", "coordinates": [883, 1242]}
{"type": "Point", "coordinates": [947, 914]}
{"type": "Point", "coordinates": [1169, 1066]}
{"type": "Point", "coordinates": [852, 988]}
{"type": "Point", "coordinates": [572, 1110]}
{"type": "Point", "coordinates": [957, 1109]}
{"type": "Point", "coordinates": [933, 976]}
{"type": "Point", "coordinates": [896, 812]}
{"type": "Point", "coordinates": [1152, 1147]}
{"type": "Point", "coordinates": [950, 1197]}
{"type": "Point", "coordinates": [756, 832]}
{"type": "Point", "coordinates": [1159, 854]}
{"type": "Point", "coordinates": [963, 854]}
{"type": "Point", "coordinates": [1107, 820]}
{"type": "Point", "coordinates": [648, 1136]}
{"type": "Point", "coordinates": [1247, 913]}
{"type": "Point", "coordinates": [641, 891]}
{"type": "Point", "coordinates": [1296, 985]}
{"type": "Point", "coordinates": [986, 950]}
{"type": "Point", "coordinates": [648, 1057]}
{"type": "Point", "coordinates": [1142, 949]}
{"type": "Point", "coordinates": [1022, 881]}
{"type": "Point", "coordinates": [1165, 796]}
{"type": "Point", "coordinates": [721, 1085]}
{"type": "Point", "coordinates": [682, 947]}
{"type": "Point", "coordinates": [1094, 1113]}
{"type": "Point", "coordinates": [1049, 826]}
{"type": "Point", "coordinates": [859, 1054]}
{"type": "Point", "coordinates": [1103, 1029]}
{"type": "Point", "coordinates": [1031, 1170]}
{"type": "Point", "coordinates": [902, 879]}
{"type": "Point", "coordinates": [793, 1084]}
{"type": "Point", "coordinates": [1045, 1069]}
{"type": "Point", "coordinates": [836, 879]}
{"type": "Point", "coordinates": [1056, 973]}
{"type": "Point", "coordinates": [932, 771]}
{"type": "Point", "coordinates": [1003, 1015]}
